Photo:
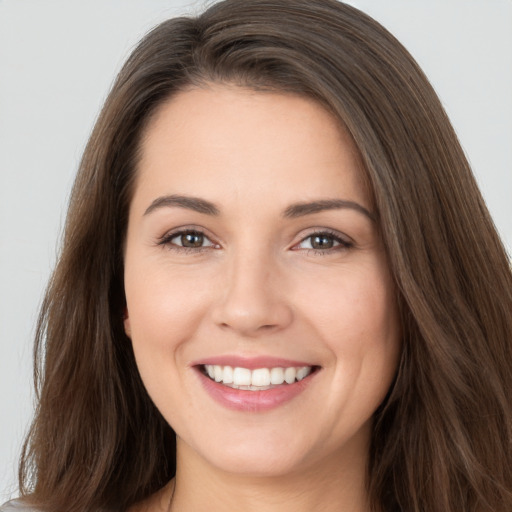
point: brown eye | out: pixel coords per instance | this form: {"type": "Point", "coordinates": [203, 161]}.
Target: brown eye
{"type": "Point", "coordinates": [191, 240]}
{"type": "Point", "coordinates": [322, 242]}
{"type": "Point", "coordinates": [186, 239]}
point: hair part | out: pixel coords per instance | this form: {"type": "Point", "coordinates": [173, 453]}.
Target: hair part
{"type": "Point", "coordinates": [442, 439]}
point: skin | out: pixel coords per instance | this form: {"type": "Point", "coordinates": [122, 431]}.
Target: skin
{"type": "Point", "coordinates": [256, 287]}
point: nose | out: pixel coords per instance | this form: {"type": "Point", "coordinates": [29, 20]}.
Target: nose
{"type": "Point", "coordinates": [251, 300]}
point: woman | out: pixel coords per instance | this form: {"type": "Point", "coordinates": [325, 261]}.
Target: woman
{"type": "Point", "coordinates": [279, 285]}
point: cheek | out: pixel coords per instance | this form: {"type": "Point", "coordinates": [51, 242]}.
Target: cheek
{"type": "Point", "coordinates": [163, 309]}
{"type": "Point", "coordinates": [356, 318]}
{"type": "Point", "coordinates": [164, 315]}
{"type": "Point", "coordinates": [355, 310]}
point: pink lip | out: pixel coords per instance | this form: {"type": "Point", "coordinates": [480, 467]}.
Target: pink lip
{"type": "Point", "coordinates": [251, 363]}
{"type": "Point", "coordinates": [253, 401]}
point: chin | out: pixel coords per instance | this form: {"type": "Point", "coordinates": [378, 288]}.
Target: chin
{"type": "Point", "coordinates": [263, 458]}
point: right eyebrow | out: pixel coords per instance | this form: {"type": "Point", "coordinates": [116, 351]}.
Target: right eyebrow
{"type": "Point", "coordinates": [320, 205]}
{"type": "Point", "coordinates": [188, 202]}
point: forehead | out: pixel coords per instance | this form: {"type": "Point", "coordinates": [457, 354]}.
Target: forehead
{"type": "Point", "coordinates": [226, 142]}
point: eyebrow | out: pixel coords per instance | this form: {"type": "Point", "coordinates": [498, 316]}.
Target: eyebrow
{"type": "Point", "coordinates": [190, 203]}
{"type": "Point", "coordinates": [308, 208]}
{"type": "Point", "coordinates": [291, 212]}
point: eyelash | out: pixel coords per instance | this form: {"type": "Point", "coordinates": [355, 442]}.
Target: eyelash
{"type": "Point", "coordinates": [343, 244]}
{"type": "Point", "coordinates": [166, 241]}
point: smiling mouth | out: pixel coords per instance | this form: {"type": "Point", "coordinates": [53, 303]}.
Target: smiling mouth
{"type": "Point", "coordinates": [259, 379]}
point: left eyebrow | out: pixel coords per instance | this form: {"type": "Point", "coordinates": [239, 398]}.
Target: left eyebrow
{"type": "Point", "coordinates": [308, 208]}
{"type": "Point", "coordinates": [188, 202]}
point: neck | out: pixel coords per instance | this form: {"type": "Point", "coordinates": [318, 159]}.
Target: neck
{"type": "Point", "coordinates": [337, 485]}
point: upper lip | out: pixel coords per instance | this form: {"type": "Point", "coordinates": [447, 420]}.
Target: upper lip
{"type": "Point", "coordinates": [251, 363]}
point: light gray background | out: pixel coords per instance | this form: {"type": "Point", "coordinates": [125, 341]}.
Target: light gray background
{"type": "Point", "coordinates": [57, 61]}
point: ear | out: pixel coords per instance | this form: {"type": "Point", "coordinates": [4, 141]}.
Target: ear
{"type": "Point", "coordinates": [126, 323]}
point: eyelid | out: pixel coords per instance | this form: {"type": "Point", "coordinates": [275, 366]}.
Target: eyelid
{"type": "Point", "coordinates": [180, 234]}
{"type": "Point", "coordinates": [165, 239]}
{"type": "Point", "coordinates": [344, 241]}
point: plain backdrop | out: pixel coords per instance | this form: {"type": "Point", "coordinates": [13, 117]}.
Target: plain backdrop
{"type": "Point", "coordinates": [57, 61]}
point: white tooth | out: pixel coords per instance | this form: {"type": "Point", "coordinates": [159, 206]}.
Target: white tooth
{"type": "Point", "coordinates": [261, 377]}
{"type": "Point", "coordinates": [256, 379]}
{"type": "Point", "coordinates": [276, 376]}
{"type": "Point", "coordinates": [303, 372]}
{"type": "Point", "coordinates": [228, 375]}
{"type": "Point", "coordinates": [289, 375]}
{"type": "Point", "coordinates": [242, 376]}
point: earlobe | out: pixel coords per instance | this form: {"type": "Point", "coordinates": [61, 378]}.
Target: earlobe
{"type": "Point", "coordinates": [126, 323]}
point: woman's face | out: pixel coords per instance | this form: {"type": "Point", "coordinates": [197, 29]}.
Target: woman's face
{"type": "Point", "coordinates": [252, 253]}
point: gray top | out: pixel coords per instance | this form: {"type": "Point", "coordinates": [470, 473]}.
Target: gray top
{"type": "Point", "coordinates": [16, 506]}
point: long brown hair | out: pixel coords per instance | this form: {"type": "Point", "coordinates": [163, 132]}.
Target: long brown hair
{"type": "Point", "coordinates": [442, 440]}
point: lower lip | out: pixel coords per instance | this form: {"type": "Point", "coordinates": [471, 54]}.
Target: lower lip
{"type": "Point", "coordinates": [253, 401]}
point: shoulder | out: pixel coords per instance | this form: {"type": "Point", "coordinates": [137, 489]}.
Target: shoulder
{"type": "Point", "coordinates": [16, 506]}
